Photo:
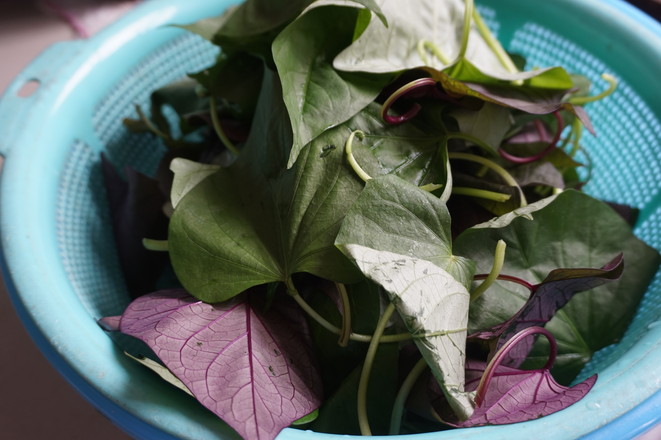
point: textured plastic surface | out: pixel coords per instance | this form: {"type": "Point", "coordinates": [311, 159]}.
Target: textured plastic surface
{"type": "Point", "coordinates": [59, 259]}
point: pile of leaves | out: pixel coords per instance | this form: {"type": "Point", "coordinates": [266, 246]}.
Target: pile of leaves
{"type": "Point", "coordinates": [374, 218]}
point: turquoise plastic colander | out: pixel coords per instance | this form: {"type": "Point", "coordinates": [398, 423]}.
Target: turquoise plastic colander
{"type": "Point", "coordinates": [62, 270]}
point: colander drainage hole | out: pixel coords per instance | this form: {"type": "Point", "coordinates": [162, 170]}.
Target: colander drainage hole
{"type": "Point", "coordinates": [28, 88]}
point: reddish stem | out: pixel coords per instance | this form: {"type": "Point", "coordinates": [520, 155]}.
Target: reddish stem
{"type": "Point", "coordinates": [502, 353]}
{"type": "Point", "coordinates": [511, 278]}
{"type": "Point", "coordinates": [406, 90]}
{"type": "Point", "coordinates": [550, 147]}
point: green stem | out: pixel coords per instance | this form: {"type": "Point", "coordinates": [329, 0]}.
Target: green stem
{"type": "Point", "coordinates": [348, 148]}
{"type": "Point", "coordinates": [150, 125]}
{"type": "Point", "coordinates": [367, 370]}
{"type": "Point", "coordinates": [426, 45]}
{"type": "Point", "coordinates": [155, 245]}
{"type": "Point", "coordinates": [403, 394]}
{"type": "Point", "coordinates": [498, 260]}
{"type": "Point", "coordinates": [345, 333]}
{"type": "Point", "coordinates": [576, 134]}
{"type": "Point", "coordinates": [493, 43]}
{"type": "Point", "coordinates": [293, 292]}
{"type": "Point", "coordinates": [468, 16]}
{"type": "Point", "coordinates": [481, 194]}
{"type": "Point", "coordinates": [218, 128]}
{"type": "Point", "coordinates": [502, 172]}
{"type": "Point", "coordinates": [612, 85]}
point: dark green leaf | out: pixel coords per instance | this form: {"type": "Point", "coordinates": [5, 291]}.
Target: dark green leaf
{"type": "Point", "coordinates": [573, 230]}
{"type": "Point", "coordinates": [317, 96]}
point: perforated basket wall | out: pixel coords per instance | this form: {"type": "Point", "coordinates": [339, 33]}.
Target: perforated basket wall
{"type": "Point", "coordinates": [57, 244]}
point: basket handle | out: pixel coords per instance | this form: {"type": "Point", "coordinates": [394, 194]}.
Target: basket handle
{"type": "Point", "coordinates": [27, 92]}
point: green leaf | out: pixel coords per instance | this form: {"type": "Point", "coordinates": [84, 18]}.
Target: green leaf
{"type": "Point", "coordinates": [420, 290]}
{"type": "Point", "coordinates": [317, 96]}
{"type": "Point", "coordinates": [416, 155]}
{"type": "Point", "coordinates": [187, 174]}
{"type": "Point", "coordinates": [236, 78]}
{"type": "Point", "coordinates": [399, 237]}
{"type": "Point", "coordinates": [395, 216]}
{"type": "Point", "coordinates": [255, 222]}
{"type": "Point", "coordinates": [440, 23]}
{"type": "Point", "coordinates": [489, 124]}
{"type": "Point", "coordinates": [569, 230]}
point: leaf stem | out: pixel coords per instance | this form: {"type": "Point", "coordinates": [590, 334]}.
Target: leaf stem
{"type": "Point", "coordinates": [468, 16]}
{"type": "Point", "coordinates": [612, 85]}
{"type": "Point", "coordinates": [481, 193]}
{"type": "Point", "coordinates": [218, 128]}
{"type": "Point", "coordinates": [510, 278]}
{"type": "Point", "coordinates": [550, 147]}
{"type": "Point", "coordinates": [403, 394]}
{"type": "Point", "coordinates": [345, 334]}
{"type": "Point", "coordinates": [155, 245]}
{"type": "Point", "coordinates": [293, 292]}
{"type": "Point", "coordinates": [367, 370]}
{"type": "Point", "coordinates": [426, 45]}
{"type": "Point", "coordinates": [397, 94]}
{"type": "Point", "coordinates": [150, 125]}
{"type": "Point", "coordinates": [495, 362]}
{"type": "Point", "coordinates": [493, 43]}
{"type": "Point", "coordinates": [498, 260]}
{"type": "Point", "coordinates": [502, 172]}
{"type": "Point", "coordinates": [348, 148]}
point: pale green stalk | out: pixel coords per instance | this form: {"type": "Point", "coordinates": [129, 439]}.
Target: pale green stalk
{"type": "Point", "coordinates": [365, 373]}
{"type": "Point", "coordinates": [498, 261]}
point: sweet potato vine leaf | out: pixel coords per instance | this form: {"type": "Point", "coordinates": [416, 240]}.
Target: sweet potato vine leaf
{"type": "Point", "coordinates": [253, 369]}
{"type": "Point", "coordinates": [399, 237]}
{"type": "Point", "coordinates": [508, 395]}
{"type": "Point", "coordinates": [303, 53]}
{"type": "Point", "coordinates": [555, 239]}
{"type": "Point", "coordinates": [255, 222]}
{"type": "Point", "coordinates": [545, 300]}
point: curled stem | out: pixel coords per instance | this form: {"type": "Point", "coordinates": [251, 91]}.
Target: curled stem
{"type": "Point", "coordinates": [404, 90]}
{"type": "Point", "coordinates": [502, 352]}
{"type": "Point", "coordinates": [403, 394]}
{"type": "Point", "coordinates": [218, 128]}
{"type": "Point", "coordinates": [367, 370]}
{"type": "Point", "coordinates": [348, 148]}
{"type": "Point", "coordinates": [550, 147]}
{"type": "Point", "coordinates": [498, 260]}
{"type": "Point", "coordinates": [502, 172]}
{"type": "Point", "coordinates": [612, 85]}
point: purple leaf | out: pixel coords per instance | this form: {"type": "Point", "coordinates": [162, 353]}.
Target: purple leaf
{"type": "Point", "coordinates": [136, 212]}
{"type": "Point", "coordinates": [252, 369]}
{"type": "Point", "coordinates": [545, 300]}
{"type": "Point", "coordinates": [508, 395]}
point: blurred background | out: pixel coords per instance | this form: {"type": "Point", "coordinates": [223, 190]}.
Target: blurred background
{"type": "Point", "coordinates": [57, 412]}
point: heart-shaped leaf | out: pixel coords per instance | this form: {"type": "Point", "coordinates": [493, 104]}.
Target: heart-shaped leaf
{"type": "Point", "coordinates": [252, 369]}
{"type": "Point", "coordinates": [508, 395]}
{"type": "Point", "coordinates": [303, 53]}
{"type": "Point", "coordinates": [434, 307]}
{"type": "Point", "coordinates": [255, 222]}
{"type": "Point", "coordinates": [546, 298]}
{"type": "Point", "coordinates": [592, 320]}
{"type": "Point", "coordinates": [395, 216]}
